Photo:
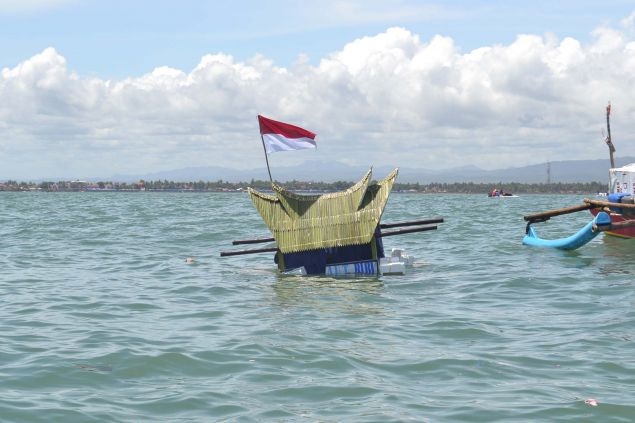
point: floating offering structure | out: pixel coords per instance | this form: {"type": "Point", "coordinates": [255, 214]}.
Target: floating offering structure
{"type": "Point", "coordinates": [335, 233]}
{"type": "Point", "coordinates": [614, 217]}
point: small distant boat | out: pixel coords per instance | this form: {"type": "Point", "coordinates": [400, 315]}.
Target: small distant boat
{"type": "Point", "coordinates": [496, 193]}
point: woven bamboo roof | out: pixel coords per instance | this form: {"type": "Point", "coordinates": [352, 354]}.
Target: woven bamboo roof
{"type": "Point", "coordinates": [308, 222]}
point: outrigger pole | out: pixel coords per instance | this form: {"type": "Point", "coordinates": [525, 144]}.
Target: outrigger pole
{"type": "Point", "coordinates": [436, 219]}
{"type": "Point", "coordinates": [414, 226]}
{"type": "Point", "coordinates": [544, 216]}
{"type": "Point", "coordinates": [588, 204]}
{"type": "Point", "coordinates": [423, 228]}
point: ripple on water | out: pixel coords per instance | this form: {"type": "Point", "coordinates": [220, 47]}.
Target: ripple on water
{"type": "Point", "coordinates": [103, 320]}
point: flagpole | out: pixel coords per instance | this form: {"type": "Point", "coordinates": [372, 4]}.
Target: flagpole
{"type": "Point", "coordinates": [266, 158]}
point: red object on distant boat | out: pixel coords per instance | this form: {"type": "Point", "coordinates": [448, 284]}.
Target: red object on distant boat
{"type": "Point", "coordinates": [500, 194]}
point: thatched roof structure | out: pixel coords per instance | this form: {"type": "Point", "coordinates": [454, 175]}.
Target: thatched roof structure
{"type": "Point", "coordinates": [308, 222]}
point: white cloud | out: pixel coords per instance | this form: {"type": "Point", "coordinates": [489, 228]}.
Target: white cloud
{"type": "Point", "coordinates": [629, 21]}
{"type": "Point", "coordinates": [391, 98]}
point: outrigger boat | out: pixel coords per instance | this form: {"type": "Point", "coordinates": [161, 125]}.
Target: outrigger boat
{"type": "Point", "coordinates": [614, 217]}
{"type": "Point", "coordinates": [332, 234]}
{"type": "Point", "coordinates": [605, 220]}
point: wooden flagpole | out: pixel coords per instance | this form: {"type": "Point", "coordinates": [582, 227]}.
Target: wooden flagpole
{"type": "Point", "coordinates": [266, 158]}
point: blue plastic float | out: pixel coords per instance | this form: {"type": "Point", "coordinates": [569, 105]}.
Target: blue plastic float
{"type": "Point", "coordinates": [582, 237]}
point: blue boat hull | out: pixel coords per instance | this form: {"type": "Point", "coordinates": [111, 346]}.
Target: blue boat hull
{"type": "Point", "coordinates": [582, 237]}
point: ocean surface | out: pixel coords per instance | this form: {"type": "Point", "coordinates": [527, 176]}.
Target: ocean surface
{"type": "Point", "coordinates": [102, 319]}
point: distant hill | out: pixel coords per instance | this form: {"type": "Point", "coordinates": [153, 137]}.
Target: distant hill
{"type": "Point", "coordinates": [561, 171]}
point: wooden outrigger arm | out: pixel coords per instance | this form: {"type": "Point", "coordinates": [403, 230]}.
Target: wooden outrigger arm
{"type": "Point", "coordinates": [419, 226]}
{"type": "Point", "coordinates": [589, 204]}
{"type": "Point", "coordinates": [544, 216]}
{"type": "Point", "coordinates": [600, 203]}
{"type": "Point", "coordinates": [436, 219]}
{"type": "Point", "coordinates": [242, 252]}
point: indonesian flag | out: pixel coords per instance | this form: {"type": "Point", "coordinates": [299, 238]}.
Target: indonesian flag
{"type": "Point", "coordinates": [280, 136]}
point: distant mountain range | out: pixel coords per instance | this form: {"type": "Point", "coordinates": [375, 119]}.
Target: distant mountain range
{"type": "Point", "coordinates": [561, 171]}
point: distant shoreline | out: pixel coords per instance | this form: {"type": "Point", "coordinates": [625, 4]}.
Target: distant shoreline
{"type": "Point", "coordinates": [581, 188]}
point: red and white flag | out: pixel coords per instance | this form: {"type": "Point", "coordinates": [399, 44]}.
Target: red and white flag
{"type": "Point", "coordinates": [280, 136]}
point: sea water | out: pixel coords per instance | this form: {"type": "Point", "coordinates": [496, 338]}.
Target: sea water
{"type": "Point", "coordinates": [103, 320]}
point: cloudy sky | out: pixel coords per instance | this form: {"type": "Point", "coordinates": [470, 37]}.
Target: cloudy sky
{"type": "Point", "coordinates": [94, 88]}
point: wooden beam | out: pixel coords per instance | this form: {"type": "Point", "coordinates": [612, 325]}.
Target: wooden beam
{"type": "Point", "coordinates": [409, 230]}
{"type": "Point", "coordinates": [599, 203]}
{"type": "Point", "coordinates": [383, 234]}
{"type": "Point", "coordinates": [252, 241]}
{"type": "Point", "coordinates": [436, 219]}
{"type": "Point", "coordinates": [541, 217]}
{"type": "Point", "coordinates": [241, 252]}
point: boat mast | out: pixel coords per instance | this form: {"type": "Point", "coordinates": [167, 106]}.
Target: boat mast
{"type": "Point", "coordinates": [608, 140]}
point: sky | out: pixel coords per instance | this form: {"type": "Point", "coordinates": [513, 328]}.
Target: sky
{"type": "Point", "coordinates": [93, 89]}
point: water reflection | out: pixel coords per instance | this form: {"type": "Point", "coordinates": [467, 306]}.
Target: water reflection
{"type": "Point", "coordinates": [617, 256]}
{"type": "Point", "coordinates": [619, 247]}
{"type": "Point", "coordinates": [328, 294]}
